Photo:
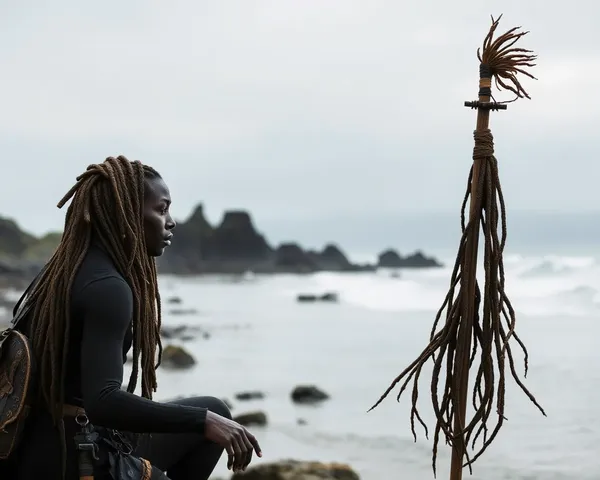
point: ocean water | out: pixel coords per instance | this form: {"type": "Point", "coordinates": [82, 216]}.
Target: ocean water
{"type": "Point", "coordinates": [262, 339]}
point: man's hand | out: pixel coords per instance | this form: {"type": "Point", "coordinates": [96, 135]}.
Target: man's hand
{"type": "Point", "coordinates": [234, 438]}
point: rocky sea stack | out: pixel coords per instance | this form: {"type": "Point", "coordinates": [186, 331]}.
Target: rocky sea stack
{"type": "Point", "coordinates": [234, 246]}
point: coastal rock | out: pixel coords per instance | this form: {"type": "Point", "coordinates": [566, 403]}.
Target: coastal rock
{"type": "Point", "coordinates": [297, 470]}
{"type": "Point", "coordinates": [23, 252]}
{"type": "Point", "coordinates": [250, 419]}
{"type": "Point", "coordinates": [180, 332]}
{"type": "Point", "coordinates": [329, 297]}
{"type": "Point", "coordinates": [6, 269]}
{"type": "Point", "coordinates": [419, 260]}
{"type": "Point", "coordinates": [191, 244]}
{"type": "Point", "coordinates": [234, 246]}
{"type": "Point", "coordinates": [237, 239]}
{"type": "Point", "coordinates": [174, 357]}
{"type": "Point", "coordinates": [333, 259]}
{"type": "Point", "coordinates": [291, 257]}
{"type": "Point", "coordinates": [392, 259]}
{"type": "Point", "coordinates": [183, 311]}
{"type": "Point", "coordinates": [15, 277]}
{"type": "Point", "coordinates": [254, 395]}
{"type": "Point", "coordinates": [310, 297]}
{"type": "Point", "coordinates": [13, 241]}
{"type": "Point", "coordinates": [308, 394]}
{"type": "Point", "coordinates": [389, 259]}
{"type": "Point", "coordinates": [40, 251]}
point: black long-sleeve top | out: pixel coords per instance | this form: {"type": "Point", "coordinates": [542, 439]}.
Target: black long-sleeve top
{"type": "Point", "coordinates": [101, 336]}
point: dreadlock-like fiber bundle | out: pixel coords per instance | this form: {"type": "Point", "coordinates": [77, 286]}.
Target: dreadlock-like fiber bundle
{"type": "Point", "coordinates": [107, 204]}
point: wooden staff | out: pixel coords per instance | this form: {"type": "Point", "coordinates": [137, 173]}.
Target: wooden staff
{"type": "Point", "coordinates": [466, 331]}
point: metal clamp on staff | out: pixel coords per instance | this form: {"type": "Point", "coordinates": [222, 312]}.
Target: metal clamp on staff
{"type": "Point", "coordinates": [486, 105]}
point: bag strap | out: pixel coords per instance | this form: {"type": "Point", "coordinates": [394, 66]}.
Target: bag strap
{"type": "Point", "coordinates": [22, 308]}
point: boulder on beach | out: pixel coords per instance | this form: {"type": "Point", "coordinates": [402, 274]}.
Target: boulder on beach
{"type": "Point", "coordinates": [250, 419]}
{"type": "Point", "coordinates": [308, 394]}
{"type": "Point", "coordinates": [183, 311]}
{"type": "Point", "coordinates": [250, 395]}
{"type": "Point", "coordinates": [310, 297]}
{"type": "Point", "coordinates": [329, 297]}
{"type": "Point", "coordinates": [175, 357]}
{"type": "Point", "coordinates": [182, 332]}
{"type": "Point", "coordinates": [297, 470]}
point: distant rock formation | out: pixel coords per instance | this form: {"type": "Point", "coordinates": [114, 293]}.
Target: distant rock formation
{"type": "Point", "coordinates": [236, 238]}
{"type": "Point", "coordinates": [291, 257]}
{"type": "Point", "coordinates": [13, 241]}
{"type": "Point", "coordinates": [332, 259]}
{"type": "Point", "coordinates": [392, 259]}
{"type": "Point", "coordinates": [233, 246]}
{"type": "Point", "coordinates": [22, 255]}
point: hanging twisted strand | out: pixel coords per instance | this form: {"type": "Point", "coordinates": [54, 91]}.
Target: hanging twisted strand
{"type": "Point", "coordinates": [107, 202]}
{"type": "Point", "coordinates": [493, 329]}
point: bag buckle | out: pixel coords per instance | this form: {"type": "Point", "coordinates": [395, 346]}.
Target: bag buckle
{"type": "Point", "coordinates": [118, 438]}
{"type": "Point", "coordinates": [84, 440]}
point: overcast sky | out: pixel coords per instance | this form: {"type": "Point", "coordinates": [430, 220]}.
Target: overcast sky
{"type": "Point", "coordinates": [292, 108]}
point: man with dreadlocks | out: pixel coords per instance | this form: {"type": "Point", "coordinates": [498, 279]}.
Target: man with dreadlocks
{"type": "Point", "coordinates": [96, 298]}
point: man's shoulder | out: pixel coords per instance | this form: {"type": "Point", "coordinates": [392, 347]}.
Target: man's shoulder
{"type": "Point", "coordinates": [98, 273]}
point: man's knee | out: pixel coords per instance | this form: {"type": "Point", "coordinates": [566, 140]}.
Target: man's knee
{"type": "Point", "coordinates": [218, 406]}
{"type": "Point", "coordinates": [214, 404]}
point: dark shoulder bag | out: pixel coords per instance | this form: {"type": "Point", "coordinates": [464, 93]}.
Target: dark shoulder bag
{"type": "Point", "coordinates": [17, 377]}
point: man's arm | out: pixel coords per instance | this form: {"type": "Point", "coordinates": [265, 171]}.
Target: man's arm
{"type": "Point", "coordinates": [107, 305]}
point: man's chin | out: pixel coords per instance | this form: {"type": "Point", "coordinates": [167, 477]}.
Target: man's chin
{"type": "Point", "coordinates": [156, 252]}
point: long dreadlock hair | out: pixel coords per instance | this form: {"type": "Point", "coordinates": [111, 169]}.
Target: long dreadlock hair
{"type": "Point", "coordinates": [107, 205]}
